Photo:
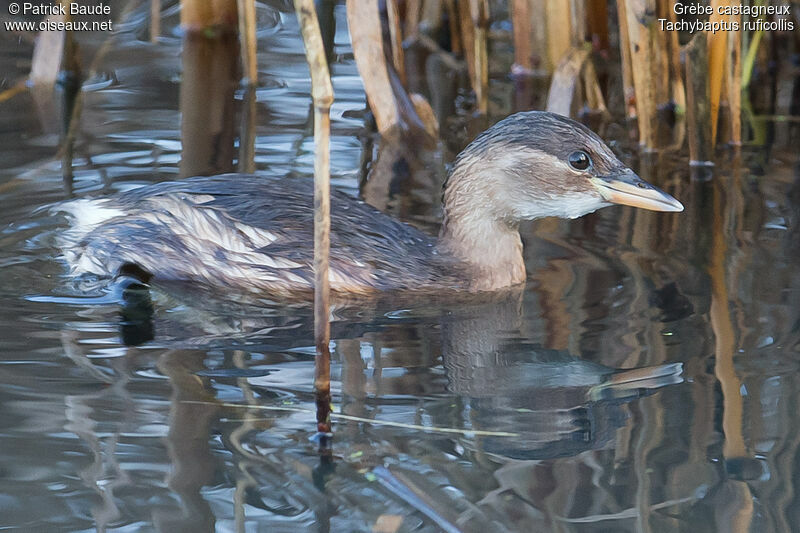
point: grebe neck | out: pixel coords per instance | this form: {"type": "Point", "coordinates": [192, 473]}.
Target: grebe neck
{"type": "Point", "coordinates": [474, 232]}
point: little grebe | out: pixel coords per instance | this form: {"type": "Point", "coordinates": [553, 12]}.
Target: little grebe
{"type": "Point", "coordinates": [256, 233]}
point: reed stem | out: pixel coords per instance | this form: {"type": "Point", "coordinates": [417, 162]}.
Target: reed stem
{"type": "Point", "coordinates": [155, 20]}
{"type": "Point", "coordinates": [367, 39]}
{"type": "Point", "coordinates": [480, 20]}
{"type": "Point", "coordinates": [396, 37]}
{"type": "Point", "coordinates": [247, 36]}
{"type": "Point", "coordinates": [202, 15]}
{"type": "Point", "coordinates": [734, 84]}
{"type": "Point", "coordinates": [322, 97]}
{"type": "Point", "coordinates": [698, 115]}
{"type": "Point", "coordinates": [717, 48]}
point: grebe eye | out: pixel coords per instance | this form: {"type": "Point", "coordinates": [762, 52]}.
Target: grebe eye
{"type": "Point", "coordinates": [579, 160]}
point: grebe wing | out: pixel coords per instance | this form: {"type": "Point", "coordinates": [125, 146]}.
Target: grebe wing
{"type": "Point", "coordinates": [244, 229]}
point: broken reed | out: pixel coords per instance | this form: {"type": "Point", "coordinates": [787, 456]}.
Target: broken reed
{"type": "Point", "coordinates": [548, 36]}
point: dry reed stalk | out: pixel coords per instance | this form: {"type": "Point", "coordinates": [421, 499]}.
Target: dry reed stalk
{"type": "Point", "coordinates": [597, 19]}
{"type": "Point", "coordinates": [199, 15]}
{"type": "Point", "coordinates": [529, 20]}
{"type": "Point", "coordinates": [322, 97]}
{"type": "Point", "coordinates": [577, 22]}
{"type": "Point", "coordinates": [155, 20]}
{"type": "Point", "coordinates": [18, 88]}
{"type": "Point", "coordinates": [574, 84]}
{"type": "Point", "coordinates": [734, 82]}
{"type": "Point", "coordinates": [54, 52]}
{"type": "Point", "coordinates": [559, 32]}
{"type": "Point", "coordinates": [247, 136]}
{"type": "Point", "coordinates": [396, 38]}
{"type": "Point", "coordinates": [698, 114]}
{"type": "Point", "coordinates": [426, 115]}
{"type": "Point", "coordinates": [52, 48]}
{"type": "Point", "coordinates": [479, 10]}
{"type": "Point", "coordinates": [538, 13]}
{"type": "Point", "coordinates": [455, 32]}
{"type": "Point", "coordinates": [678, 89]}
{"type": "Point", "coordinates": [467, 37]}
{"type": "Point", "coordinates": [412, 15]}
{"type": "Point", "coordinates": [649, 63]}
{"type": "Point", "coordinates": [565, 86]}
{"type": "Point", "coordinates": [210, 75]}
{"type": "Point", "coordinates": [625, 56]}
{"type": "Point", "coordinates": [71, 86]}
{"type": "Point", "coordinates": [365, 32]}
{"type": "Point", "coordinates": [48, 54]}
{"type": "Point", "coordinates": [717, 50]}
{"type": "Point", "coordinates": [247, 36]}
{"type": "Point", "coordinates": [521, 19]}
{"type": "Point", "coordinates": [659, 41]}
{"type": "Point", "coordinates": [591, 88]}
{"type": "Point", "coordinates": [431, 15]}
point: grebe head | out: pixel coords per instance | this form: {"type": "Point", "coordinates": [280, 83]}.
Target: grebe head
{"type": "Point", "coordinates": [536, 164]}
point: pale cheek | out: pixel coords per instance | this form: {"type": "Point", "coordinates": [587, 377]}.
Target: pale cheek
{"type": "Point", "coordinates": [572, 206]}
{"type": "Point", "coordinates": [581, 205]}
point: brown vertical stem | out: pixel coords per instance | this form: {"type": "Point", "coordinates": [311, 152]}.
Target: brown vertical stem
{"type": "Point", "coordinates": [48, 55]}
{"type": "Point", "coordinates": [479, 10]}
{"type": "Point", "coordinates": [71, 87]}
{"type": "Point", "coordinates": [717, 49]}
{"type": "Point", "coordinates": [453, 23]}
{"type": "Point", "coordinates": [698, 116]}
{"type": "Point", "coordinates": [566, 82]}
{"type": "Point", "coordinates": [247, 136]}
{"type": "Point", "coordinates": [625, 55]}
{"type": "Point", "coordinates": [322, 96]}
{"type": "Point", "coordinates": [523, 35]}
{"type": "Point", "coordinates": [431, 14]}
{"type": "Point", "coordinates": [675, 75]}
{"type": "Point", "coordinates": [155, 20]}
{"type": "Point", "coordinates": [597, 18]}
{"type": "Point", "coordinates": [200, 15]}
{"type": "Point", "coordinates": [413, 11]}
{"type": "Point", "coordinates": [365, 33]}
{"type": "Point", "coordinates": [734, 85]}
{"type": "Point", "coordinates": [577, 22]}
{"type": "Point", "coordinates": [396, 36]}
{"type": "Point", "coordinates": [642, 36]}
{"type": "Point", "coordinates": [467, 37]}
{"type": "Point", "coordinates": [73, 104]}
{"type": "Point", "coordinates": [209, 80]}
{"type": "Point", "coordinates": [247, 36]}
{"type": "Point", "coordinates": [559, 31]}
